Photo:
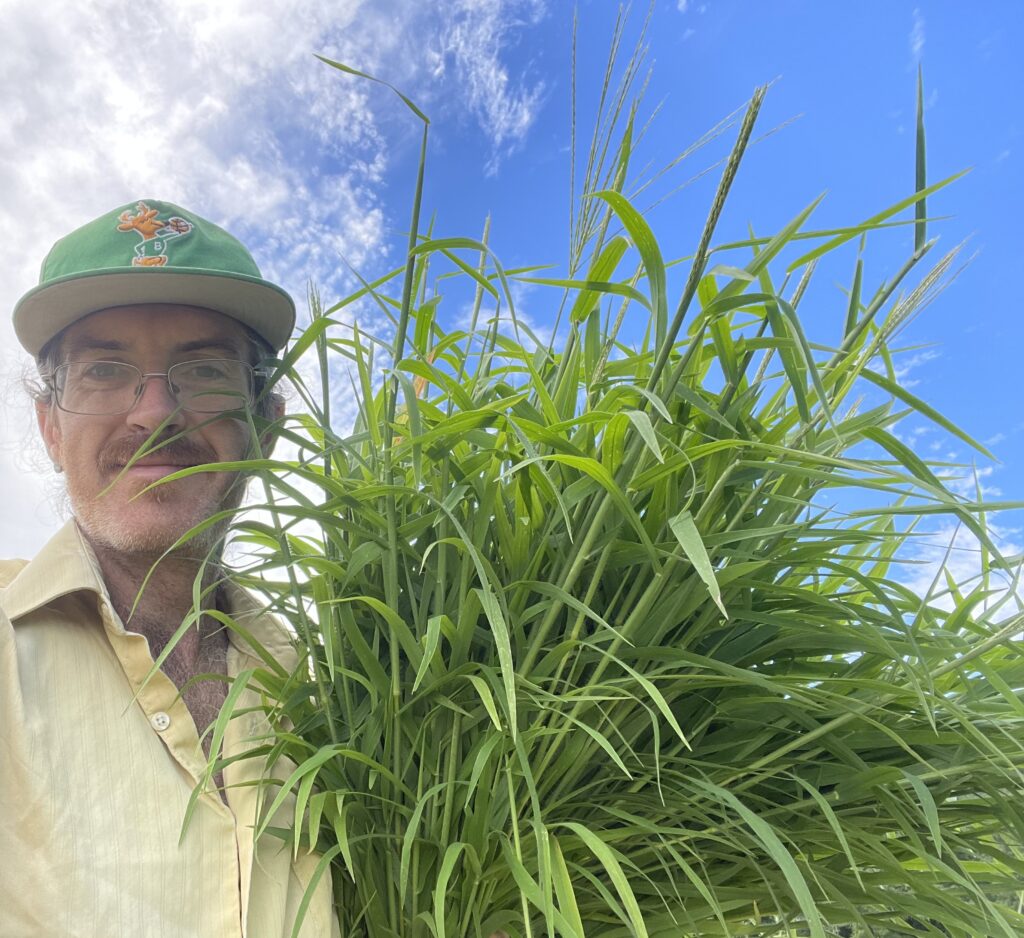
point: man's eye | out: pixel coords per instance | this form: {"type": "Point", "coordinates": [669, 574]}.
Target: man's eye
{"type": "Point", "coordinates": [204, 371]}
{"type": "Point", "coordinates": [104, 371]}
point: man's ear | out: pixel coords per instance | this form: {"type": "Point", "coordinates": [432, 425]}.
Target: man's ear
{"type": "Point", "coordinates": [49, 430]}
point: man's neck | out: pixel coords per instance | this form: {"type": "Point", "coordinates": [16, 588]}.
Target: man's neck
{"type": "Point", "coordinates": [154, 601]}
{"type": "Point", "coordinates": [153, 596]}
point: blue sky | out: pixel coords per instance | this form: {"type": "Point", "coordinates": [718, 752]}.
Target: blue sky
{"type": "Point", "coordinates": [844, 76]}
{"type": "Point", "coordinates": [223, 109]}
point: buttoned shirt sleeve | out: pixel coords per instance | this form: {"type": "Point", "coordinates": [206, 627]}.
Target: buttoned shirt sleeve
{"type": "Point", "coordinates": [97, 766]}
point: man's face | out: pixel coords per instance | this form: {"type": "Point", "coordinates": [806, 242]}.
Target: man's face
{"type": "Point", "coordinates": [93, 450]}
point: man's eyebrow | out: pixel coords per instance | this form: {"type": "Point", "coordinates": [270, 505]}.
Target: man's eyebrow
{"type": "Point", "coordinates": [198, 345]}
{"type": "Point", "coordinates": [92, 344]}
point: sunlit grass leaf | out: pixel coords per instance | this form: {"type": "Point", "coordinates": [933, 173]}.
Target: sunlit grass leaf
{"type": "Point", "coordinates": [685, 530]}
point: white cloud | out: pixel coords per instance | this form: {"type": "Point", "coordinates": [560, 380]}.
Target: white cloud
{"type": "Point", "coordinates": [905, 366]}
{"type": "Point", "coordinates": [917, 36]}
{"type": "Point", "coordinates": [222, 108]}
{"type": "Point", "coordinates": [970, 483]}
{"type": "Point", "coordinates": [953, 549]}
{"type": "Point", "coordinates": [949, 547]}
{"type": "Point", "coordinates": [681, 5]}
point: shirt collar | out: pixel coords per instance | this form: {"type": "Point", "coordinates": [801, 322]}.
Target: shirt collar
{"type": "Point", "coordinates": [67, 565]}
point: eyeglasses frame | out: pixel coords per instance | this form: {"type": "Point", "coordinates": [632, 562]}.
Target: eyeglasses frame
{"type": "Point", "coordinates": [50, 380]}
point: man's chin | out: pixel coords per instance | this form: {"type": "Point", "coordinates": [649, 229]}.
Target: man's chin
{"type": "Point", "coordinates": [154, 523]}
{"type": "Point", "coordinates": [153, 537]}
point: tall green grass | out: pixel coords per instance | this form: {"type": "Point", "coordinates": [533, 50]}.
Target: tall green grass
{"type": "Point", "coordinates": [611, 639]}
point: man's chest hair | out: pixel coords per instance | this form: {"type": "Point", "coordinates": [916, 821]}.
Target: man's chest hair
{"type": "Point", "coordinates": [193, 656]}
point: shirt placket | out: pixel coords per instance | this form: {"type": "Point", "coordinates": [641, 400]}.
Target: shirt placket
{"type": "Point", "coordinates": [171, 720]}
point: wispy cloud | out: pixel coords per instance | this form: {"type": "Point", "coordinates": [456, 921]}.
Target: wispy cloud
{"type": "Point", "coordinates": [905, 366]}
{"type": "Point", "coordinates": [952, 549]}
{"type": "Point", "coordinates": [215, 106]}
{"type": "Point", "coordinates": [971, 483]}
{"type": "Point", "coordinates": [471, 42]}
{"type": "Point", "coordinates": [917, 36]}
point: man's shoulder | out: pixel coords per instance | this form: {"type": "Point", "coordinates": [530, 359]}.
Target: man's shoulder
{"type": "Point", "coordinates": [9, 569]}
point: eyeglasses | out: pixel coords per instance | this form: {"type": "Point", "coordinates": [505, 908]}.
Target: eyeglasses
{"type": "Point", "coordinates": [206, 386]}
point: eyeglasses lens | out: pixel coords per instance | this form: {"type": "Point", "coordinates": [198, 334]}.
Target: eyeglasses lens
{"type": "Point", "coordinates": [209, 386]}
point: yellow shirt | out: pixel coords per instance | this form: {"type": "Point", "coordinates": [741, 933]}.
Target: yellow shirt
{"type": "Point", "coordinates": [94, 785]}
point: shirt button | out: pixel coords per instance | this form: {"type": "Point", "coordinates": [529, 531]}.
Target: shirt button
{"type": "Point", "coordinates": [160, 721]}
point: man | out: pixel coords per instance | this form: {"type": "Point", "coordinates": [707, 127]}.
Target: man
{"type": "Point", "coordinates": [148, 326]}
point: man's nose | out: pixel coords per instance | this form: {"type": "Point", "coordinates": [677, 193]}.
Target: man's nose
{"type": "Point", "coordinates": [155, 406]}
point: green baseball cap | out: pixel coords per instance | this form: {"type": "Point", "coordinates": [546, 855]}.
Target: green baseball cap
{"type": "Point", "coordinates": [150, 252]}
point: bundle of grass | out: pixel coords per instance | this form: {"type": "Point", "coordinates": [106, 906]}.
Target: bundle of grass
{"type": "Point", "coordinates": [587, 648]}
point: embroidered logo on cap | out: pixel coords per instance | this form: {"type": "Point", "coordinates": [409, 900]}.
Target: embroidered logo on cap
{"type": "Point", "coordinates": [156, 233]}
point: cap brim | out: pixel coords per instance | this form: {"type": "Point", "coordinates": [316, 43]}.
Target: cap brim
{"type": "Point", "coordinates": [51, 307]}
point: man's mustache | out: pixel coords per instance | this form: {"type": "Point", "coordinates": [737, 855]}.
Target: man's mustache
{"type": "Point", "coordinates": [174, 452]}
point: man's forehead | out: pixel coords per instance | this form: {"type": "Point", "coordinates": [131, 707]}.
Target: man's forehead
{"type": "Point", "coordinates": [174, 329]}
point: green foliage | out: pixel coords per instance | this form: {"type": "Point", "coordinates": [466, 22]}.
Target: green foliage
{"type": "Point", "coordinates": [588, 646]}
